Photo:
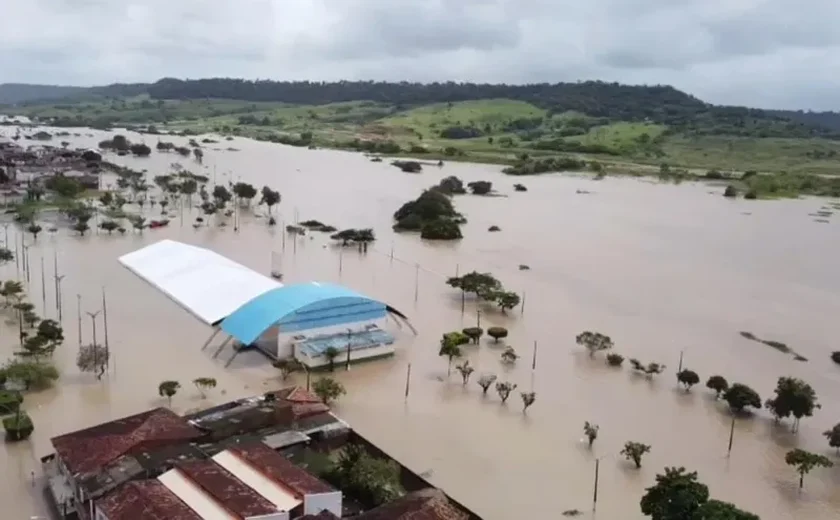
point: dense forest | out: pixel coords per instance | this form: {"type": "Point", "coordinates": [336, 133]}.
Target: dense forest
{"type": "Point", "coordinates": [613, 101]}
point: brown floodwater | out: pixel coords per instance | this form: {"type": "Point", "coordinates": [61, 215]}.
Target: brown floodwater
{"type": "Point", "coordinates": [661, 268]}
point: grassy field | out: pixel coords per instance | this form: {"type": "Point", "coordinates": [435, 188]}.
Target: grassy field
{"type": "Point", "coordinates": [496, 130]}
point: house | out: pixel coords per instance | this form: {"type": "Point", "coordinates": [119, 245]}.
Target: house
{"type": "Point", "coordinates": [426, 504]}
{"type": "Point", "coordinates": [251, 481]}
{"type": "Point", "coordinates": [230, 462]}
{"type": "Point", "coordinates": [80, 457]}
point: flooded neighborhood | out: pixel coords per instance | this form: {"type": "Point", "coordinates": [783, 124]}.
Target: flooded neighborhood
{"type": "Point", "coordinates": [673, 274]}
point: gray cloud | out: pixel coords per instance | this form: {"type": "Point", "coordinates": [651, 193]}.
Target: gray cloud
{"type": "Point", "coordinates": [771, 53]}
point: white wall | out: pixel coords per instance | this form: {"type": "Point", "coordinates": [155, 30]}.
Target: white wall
{"type": "Point", "coordinates": [280, 515]}
{"type": "Point", "coordinates": [100, 515]}
{"type": "Point", "coordinates": [315, 503]}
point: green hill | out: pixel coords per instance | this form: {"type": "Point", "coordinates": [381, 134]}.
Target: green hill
{"type": "Point", "coordinates": [622, 128]}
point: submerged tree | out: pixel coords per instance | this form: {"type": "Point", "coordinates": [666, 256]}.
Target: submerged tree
{"type": "Point", "coordinates": [450, 346]}
{"type": "Point", "coordinates": [719, 384]}
{"type": "Point", "coordinates": [677, 495]}
{"type": "Point", "coordinates": [497, 333]}
{"type": "Point", "coordinates": [740, 396]}
{"type": "Point", "coordinates": [615, 359]}
{"type": "Point", "coordinates": [270, 198]}
{"type": "Point", "coordinates": [509, 356]}
{"type": "Point", "coordinates": [331, 353]}
{"type": "Point", "coordinates": [591, 432]}
{"type": "Point", "coordinates": [465, 370]}
{"type": "Point", "coordinates": [486, 381]}
{"type": "Point", "coordinates": [688, 378]}
{"type": "Point", "coordinates": [480, 284]}
{"type": "Point", "coordinates": [168, 389]}
{"type": "Point", "coordinates": [287, 367]}
{"type": "Point", "coordinates": [634, 451]}
{"type": "Point", "coordinates": [833, 436]}
{"type": "Point", "coordinates": [528, 398]}
{"type": "Point", "coordinates": [793, 397]}
{"type": "Point", "coordinates": [474, 333]}
{"type": "Point", "coordinates": [203, 384]}
{"type": "Point", "coordinates": [328, 389]}
{"type": "Point", "coordinates": [805, 461]}
{"type": "Point", "coordinates": [594, 341]}
{"type": "Point", "coordinates": [93, 358]}
{"type": "Point", "coordinates": [506, 300]}
{"type": "Point", "coordinates": [504, 388]}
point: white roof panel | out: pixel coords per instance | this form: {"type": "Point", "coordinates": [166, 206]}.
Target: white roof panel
{"type": "Point", "coordinates": [283, 499]}
{"type": "Point", "coordinates": [193, 496]}
{"type": "Point", "coordinates": [205, 283]}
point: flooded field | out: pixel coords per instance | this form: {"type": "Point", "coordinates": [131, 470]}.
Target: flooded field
{"type": "Point", "coordinates": [660, 268]}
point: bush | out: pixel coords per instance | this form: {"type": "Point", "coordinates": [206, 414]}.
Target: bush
{"type": "Point", "coordinates": [33, 374]}
{"type": "Point", "coordinates": [18, 427]}
{"type": "Point", "coordinates": [835, 356]}
{"type": "Point", "coordinates": [751, 195]}
{"type": "Point", "coordinates": [730, 192]}
{"type": "Point", "coordinates": [497, 333]}
{"type": "Point", "coordinates": [10, 401]}
{"type": "Point", "coordinates": [614, 360]}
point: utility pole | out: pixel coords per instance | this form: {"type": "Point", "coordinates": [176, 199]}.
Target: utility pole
{"type": "Point", "coordinates": [43, 287]}
{"type": "Point", "coordinates": [93, 316]}
{"type": "Point", "coordinates": [105, 320]}
{"type": "Point", "coordinates": [79, 316]}
{"type": "Point", "coordinates": [595, 493]}
{"type": "Point", "coordinates": [731, 436]}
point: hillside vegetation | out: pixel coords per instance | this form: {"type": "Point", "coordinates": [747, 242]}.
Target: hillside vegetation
{"type": "Point", "coordinates": [535, 128]}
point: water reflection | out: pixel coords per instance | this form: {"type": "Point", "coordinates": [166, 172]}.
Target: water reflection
{"type": "Point", "coordinates": [660, 268]}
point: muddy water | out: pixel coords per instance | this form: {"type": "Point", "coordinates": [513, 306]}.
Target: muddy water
{"type": "Point", "coordinates": [660, 268]}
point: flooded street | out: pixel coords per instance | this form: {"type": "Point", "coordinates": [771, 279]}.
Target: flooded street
{"type": "Point", "coordinates": [660, 268]}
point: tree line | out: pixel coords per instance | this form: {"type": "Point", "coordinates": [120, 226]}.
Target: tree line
{"type": "Point", "coordinates": [654, 103]}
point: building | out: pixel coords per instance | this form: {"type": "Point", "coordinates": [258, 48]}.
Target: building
{"type": "Point", "coordinates": [259, 312]}
{"type": "Point", "coordinates": [247, 482]}
{"type": "Point", "coordinates": [89, 464]}
{"type": "Point", "coordinates": [243, 460]}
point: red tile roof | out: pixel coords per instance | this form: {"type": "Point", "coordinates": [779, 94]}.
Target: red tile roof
{"type": "Point", "coordinates": [87, 450]}
{"type": "Point", "coordinates": [276, 467]}
{"type": "Point", "coordinates": [304, 403]}
{"type": "Point", "coordinates": [230, 492]}
{"type": "Point", "coordinates": [145, 500]}
{"type": "Point", "coordinates": [426, 504]}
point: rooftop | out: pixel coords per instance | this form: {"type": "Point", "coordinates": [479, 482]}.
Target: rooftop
{"type": "Point", "coordinates": [88, 450]}
{"type": "Point", "coordinates": [146, 500]}
{"type": "Point", "coordinates": [323, 515]}
{"type": "Point", "coordinates": [228, 491]}
{"type": "Point", "coordinates": [280, 469]}
{"type": "Point", "coordinates": [426, 504]}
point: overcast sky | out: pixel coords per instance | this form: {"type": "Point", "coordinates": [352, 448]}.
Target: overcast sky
{"type": "Point", "coordinates": [766, 53]}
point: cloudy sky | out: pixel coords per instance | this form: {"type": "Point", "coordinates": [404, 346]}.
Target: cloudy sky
{"type": "Point", "coordinates": [767, 53]}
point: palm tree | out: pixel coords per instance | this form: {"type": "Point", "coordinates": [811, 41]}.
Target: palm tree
{"type": "Point", "coordinates": [168, 389]}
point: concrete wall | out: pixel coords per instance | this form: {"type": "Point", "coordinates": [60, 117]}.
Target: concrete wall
{"type": "Point", "coordinates": [315, 503]}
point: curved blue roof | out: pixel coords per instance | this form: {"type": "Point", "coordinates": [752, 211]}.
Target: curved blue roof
{"type": "Point", "coordinates": [297, 307]}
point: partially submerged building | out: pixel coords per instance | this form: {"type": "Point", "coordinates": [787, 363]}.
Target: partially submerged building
{"type": "Point", "coordinates": [230, 462]}
{"type": "Point", "coordinates": [259, 312]}
{"type": "Point", "coordinates": [90, 464]}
